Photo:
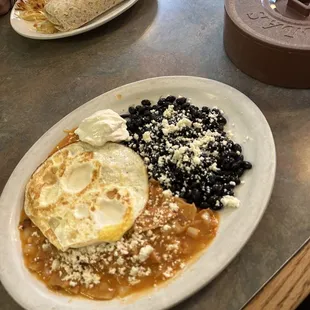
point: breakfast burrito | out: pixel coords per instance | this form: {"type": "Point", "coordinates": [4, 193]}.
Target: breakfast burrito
{"type": "Point", "coordinates": [72, 14]}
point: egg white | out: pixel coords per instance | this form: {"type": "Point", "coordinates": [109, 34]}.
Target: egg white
{"type": "Point", "coordinates": [84, 195]}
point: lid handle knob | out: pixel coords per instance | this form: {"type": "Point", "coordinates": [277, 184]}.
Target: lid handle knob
{"type": "Point", "coordinates": [301, 6]}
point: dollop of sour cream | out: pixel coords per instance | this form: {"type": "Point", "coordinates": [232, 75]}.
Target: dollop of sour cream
{"type": "Point", "coordinates": [102, 127]}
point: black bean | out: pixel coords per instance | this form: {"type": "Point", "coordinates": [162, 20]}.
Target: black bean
{"type": "Point", "coordinates": [146, 102]}
{"type": "Point", "coordinates": [240, 172]}
{"type": "Point", "coordinates": [204, 205]}
{"type": "Point", "coordinates": [147, 119]}
{"type": "Point", "coordinates": [170, 99]}
{"type": "Point", "coordinates": [240, 157]}
{"type": "Point", "coordinates": [222, 120]}
{"type": "Point", "coordinates": [230, 193]}
{"type": "Point", "coordinates": [212, 146]}
{"type": "Point", "coordinates": [237, 148]}
{"type": "Point", "coordinates": [225, 174]}
{"type": "Point", "coordinates": [236, 180]}
{"type": "Point", "coordinates": [220, 128]}
{"type": "Point", "coordinates": [140, 109]}
{"type": "Point", "coordinates": [195, 184]}
{"type": "Point", "coordinates": [212, 200]}
{"type": "Point", "coordinates": [195, 114]}
{"type": "Point", "coordinates": [155, 117]}
{"type": "Point", "coordinates": [219, 178]}
{"type": "Point", "coordinates": [181, 100]}
{"type": "Point", "coordinates": [211, 179]}
{"type": "Point", "coordinates": [205, 109]}
{"type": "Point", "coordinates": [236, 165]}
{"type": "Point", "coordinates": [181, 195]}
{"type": "Point", "coordinates": [185, 105]}
{"type": "Point", "coordinates": [224, 154]}
{"type": "Point", "coordinates": [217, 206]}
{"type": "Point", "coordinates": [196, 195]}
{"type": "Point", "coordinates": [138, 122]}
{"type": "Point", "coordinates": [216, 111]}
{"type": "Point", "coordinates": [192, 109]}
{"type": "Point", "coordinates": [217, 188]}
{"type": "Point", "coordinates": [247, 165]}
{"type": "Point", "coordinates": [132, 110]}
{"type": "Point", "coordinates": [147, 112]}
{"type": "Point", "coordinates": [227, 163]}
{"type": "Point", "coordinates": [232, 154]}
{"type": "Point", "coordinates": [228, 186]}
{"type": "Point", "coordinates": [161, 101]}
{"type": "Point", "coordinates": [229, 145]}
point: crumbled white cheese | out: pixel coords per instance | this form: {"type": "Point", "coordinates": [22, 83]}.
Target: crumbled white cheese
{"type": "Point", "coordinates": [112, 270]}
{"type": "Point", "coordinates": [206, 216]}
{"type": "Point", "coordinates": [173, 206]}
{"type": "Point", "coordinates": [184, 122]}
{"type": "Point", "coordinates": [229, 134]}
{"type": "Point", "coordinates": [120, 261]}
{"type": "Point", "coordinates": [133, 280]}
{"type": "Point", "coordinates": [197, 125]}
{"type": "Point", "coordinates": [196, 160]}
{"type": "Point", "coordinates": [170, 128]}
{"type": "Point", "coordinates": [121, 270]}
{"type": "Point", "coordinates": [161, 161]}
{"type": "Point", "coordinates": [167, 193]}
{"type": "Point", "coordinates": [164, 179]}
{"type": "Point", "coordinates": [35, 234]}
{"type": "Point", "coordinates": [166, 227]}
{"type": "Point", "coordinates": [213, 167]}
{"type": "Point", "coordinates": [145, 252]}
{"type": "Point", "coordinates": [55, 264]}
{"type": "Point", "coordinates": [134, 271]}
{"type": "Point", "coordinates": [230, 201]}
{"type": "Point", "coordinates": [45, 247]}
{"type": "Point", "coordinates": [147, 137]}
{"type": "Point", "coordinates": [168, 273]}
{"type": "Point", "coordinates": [171, 247]}
{"type": "Point", "coordinates": [169, 112]}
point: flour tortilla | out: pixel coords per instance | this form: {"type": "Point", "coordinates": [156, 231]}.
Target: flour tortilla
{"type": "Point", "coordinates": [71, 14]}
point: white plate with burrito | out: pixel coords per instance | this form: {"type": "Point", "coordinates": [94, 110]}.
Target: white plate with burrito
{"type": "Point", "coordinates": [56, 19]}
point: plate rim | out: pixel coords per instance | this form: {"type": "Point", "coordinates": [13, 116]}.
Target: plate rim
{"type": "Point", "coordinates": [241, 244]}
{"type": "Point", "coordinates": [93, 24]}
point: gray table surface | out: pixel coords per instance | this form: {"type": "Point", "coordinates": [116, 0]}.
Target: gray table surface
{"type": "Point", "coordinates": [42, 81]}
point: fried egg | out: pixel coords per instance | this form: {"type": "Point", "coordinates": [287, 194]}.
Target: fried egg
{"type": "Point", "coordinates": [84, 195]}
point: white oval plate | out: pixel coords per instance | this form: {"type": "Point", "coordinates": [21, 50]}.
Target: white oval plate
{"type": "Point", "coordinates": [236, 226]}
{"type": "Point", "coordinates": [26, 29]}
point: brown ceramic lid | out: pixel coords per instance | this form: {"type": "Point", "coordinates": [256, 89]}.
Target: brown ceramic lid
{"type": "Point", "coordinates": [270, 40]}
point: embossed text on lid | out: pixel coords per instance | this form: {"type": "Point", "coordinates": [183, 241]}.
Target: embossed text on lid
{"type": "Point", "coordinates": [281, 23]}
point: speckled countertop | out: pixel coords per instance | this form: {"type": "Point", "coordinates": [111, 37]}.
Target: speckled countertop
{"type": "Point", "coordinates": [42, 81]}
